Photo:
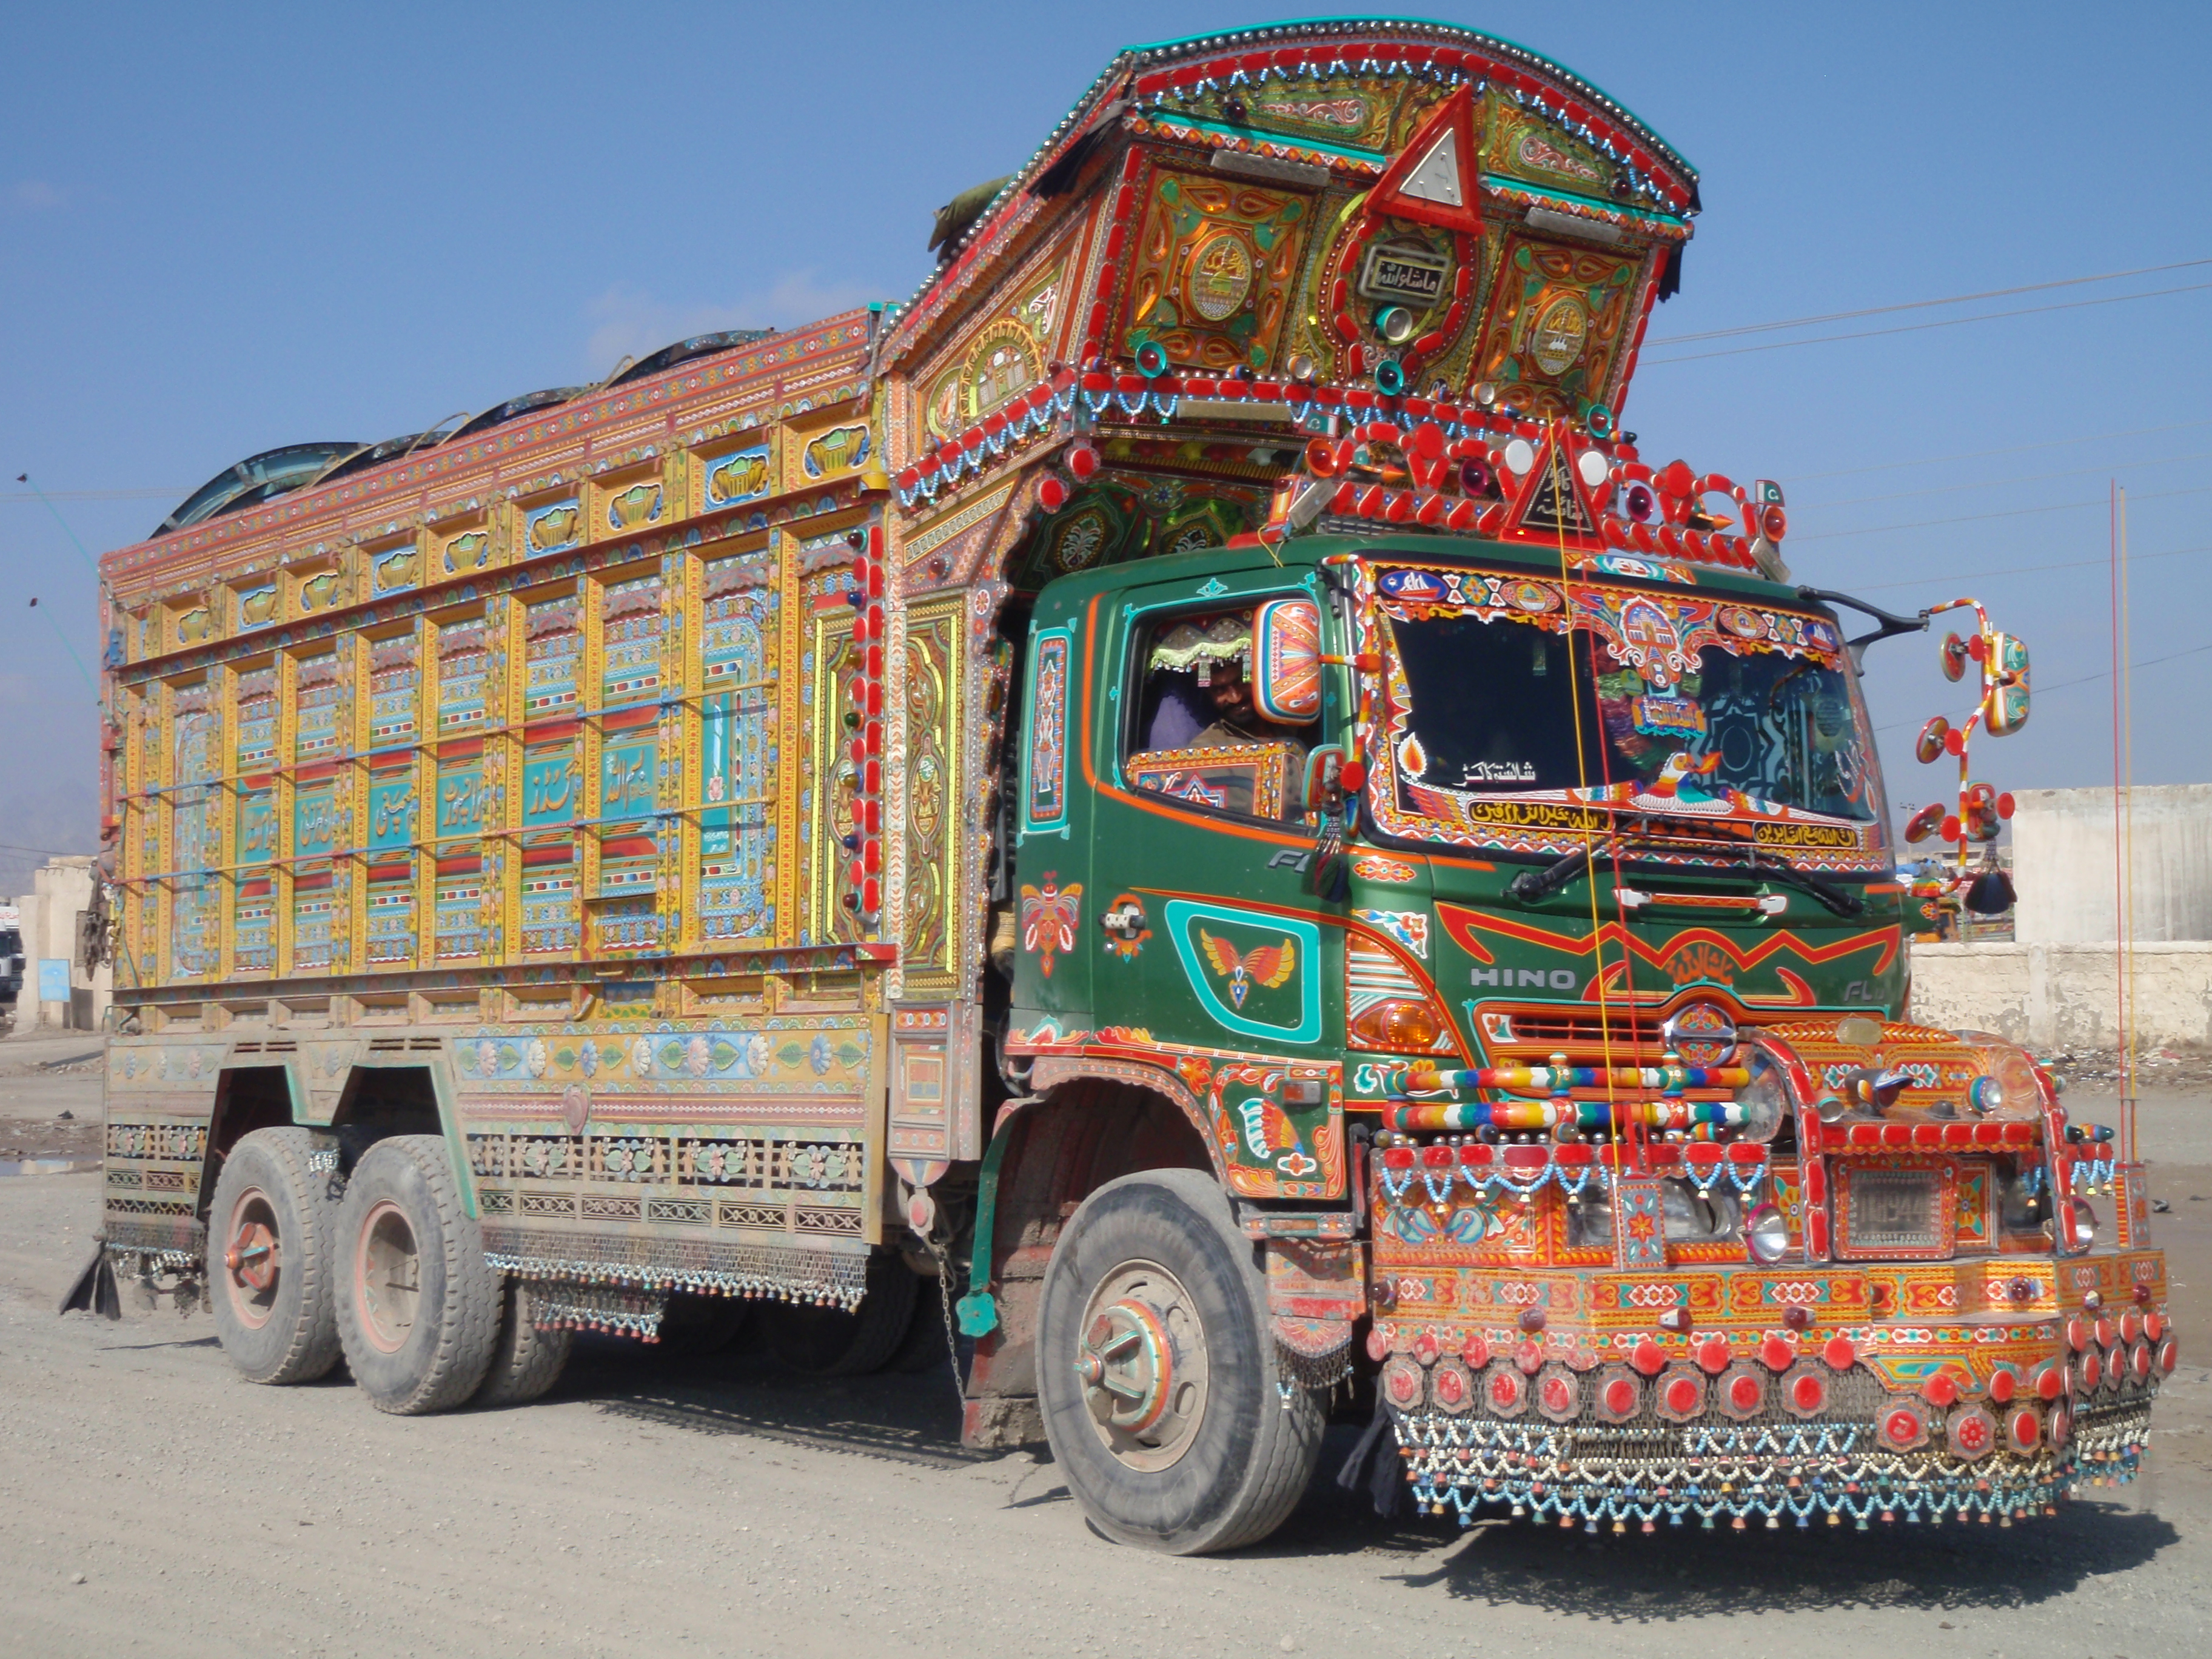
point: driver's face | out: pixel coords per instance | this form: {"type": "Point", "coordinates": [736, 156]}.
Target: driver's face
{"type": "Point", "coordinates": [1230, 694]}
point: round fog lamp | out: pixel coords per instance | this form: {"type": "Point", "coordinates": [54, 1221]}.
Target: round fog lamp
{"type": "Point", "coordinates": [1766, 1234]}
{"type": "Point", "coordinates": [1395, 324]}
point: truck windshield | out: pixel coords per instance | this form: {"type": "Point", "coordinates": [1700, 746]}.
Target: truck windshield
{"type": "Point", "coordinates": [1508, 691]}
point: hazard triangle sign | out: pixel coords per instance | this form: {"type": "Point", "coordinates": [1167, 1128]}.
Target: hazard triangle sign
{"type": "Point", "coordinates": [1432, 180]}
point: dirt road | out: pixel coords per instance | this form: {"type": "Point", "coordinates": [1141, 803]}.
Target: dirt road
{"type": "Point", "coordinates": [152, 1502]}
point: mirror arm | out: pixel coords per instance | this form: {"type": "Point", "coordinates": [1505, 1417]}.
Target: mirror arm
{"type": "Point", "coordinates": [1891, 623]}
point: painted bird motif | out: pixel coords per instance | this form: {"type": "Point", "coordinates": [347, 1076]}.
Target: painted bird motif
{"type": "Point", "coordinates": [1267, 966]}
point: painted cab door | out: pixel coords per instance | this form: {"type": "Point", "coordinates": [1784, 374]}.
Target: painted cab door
{"type": "Point", "coordinates": [1053, 903]}
{"type": "Point", "coordinates": [1205, 940]}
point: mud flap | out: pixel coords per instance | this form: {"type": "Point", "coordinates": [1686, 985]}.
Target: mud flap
{"type": "Point", "coordinates": [1375, 1460]}
{"type": "Point", "coordinates": [94, 1292]}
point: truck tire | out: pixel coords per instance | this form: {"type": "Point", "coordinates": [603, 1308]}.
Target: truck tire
{"type": "Point", "coordinates": [1156, 1371]}
{"type": "Point", "coordinates": [421, 1310]}
{"type": "Point", "coordinates": [527, 1359]}
{"type": "Point", "coordinates": [830, 1342]}
{"type": "Point", "coordinates": [696, 1325]}
{"type": "Point", "coordinates": [270, 1269]}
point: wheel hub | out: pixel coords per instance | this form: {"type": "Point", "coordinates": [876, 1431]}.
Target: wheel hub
{"type": "Point", "coordinates": [388, 1276]}
{"type": "Point", "coordinates": [1140, 1358]}
{"type": "Point", "coordinates": [253, 1259]}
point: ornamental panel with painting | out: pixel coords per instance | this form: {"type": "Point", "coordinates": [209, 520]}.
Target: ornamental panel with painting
{"type": "Point", "coordinates": [740, 748]}
{"type": "Point", "coordinates": [831, 777]}
{"type": "Point", "coordinates": [464, 661]}
{"type": "Point", "coordinates": [196, 911]}
{"type": "Point", "coordinates": [395, 689]}
{"type": "Point", "coordinates": [553, 655]}
{"type": "Point", "coordinates": [1555, 329]}
{"type": "Point", "coordinates": [317, 695]}
{"type": "Point", "coordinates": [936, 803]}
{"type": "Point", "coordinates": [630, 630]}
{"type": "Point", "coordinates": [1216, 269]}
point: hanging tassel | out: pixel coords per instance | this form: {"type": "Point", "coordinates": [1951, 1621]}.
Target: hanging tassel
{"type": "Point", "coordinates": [1329, 876]}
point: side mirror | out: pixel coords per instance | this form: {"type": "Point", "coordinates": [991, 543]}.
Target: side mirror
{"type": "Point", "coordinates": [2004, 710]}
{"type": "Point", "coordinates": [1324, 782]}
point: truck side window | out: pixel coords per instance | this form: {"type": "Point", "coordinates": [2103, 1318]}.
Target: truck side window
{"type": "Point", "coordinates": [1219, 726]}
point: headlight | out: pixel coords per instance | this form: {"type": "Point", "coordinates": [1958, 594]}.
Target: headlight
{"type": "Point", "coordinates": [1766, 1234]}
{"type": "Point", "coordinates": [1765, 1099]}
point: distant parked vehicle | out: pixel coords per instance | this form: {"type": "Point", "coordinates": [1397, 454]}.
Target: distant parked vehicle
{"type": "Point", "coordinates": [11, 955]}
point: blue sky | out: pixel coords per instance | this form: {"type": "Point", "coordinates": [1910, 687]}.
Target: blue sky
{"type": "Point", "coordinates": [225, 229]}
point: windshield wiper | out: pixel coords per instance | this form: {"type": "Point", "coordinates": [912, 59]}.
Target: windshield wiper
{"type": "Point", "coordinates": [1837, 901]}
{"type": "Point", "coordinates": [1532, 886]}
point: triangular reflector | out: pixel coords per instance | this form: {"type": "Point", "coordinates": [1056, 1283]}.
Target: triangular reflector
{"type": "Point", "coordinates": [1437, 177]}
{"type": "Point", "coordinates": [1554, 504]}
{"type": "Point", "coordinates": [1432, 180]}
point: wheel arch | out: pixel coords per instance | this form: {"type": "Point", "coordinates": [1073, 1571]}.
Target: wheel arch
{"type": "Point", "coordinates": [1086, 1128]}
{"type": "Point", "coordinates": [247, 1098]}
{"type": "Point", "coordinates": [414, 1098]}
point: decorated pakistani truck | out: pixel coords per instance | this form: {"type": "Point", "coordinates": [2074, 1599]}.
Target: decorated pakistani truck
{"type": "Point", "coordinates": [1188, 800]}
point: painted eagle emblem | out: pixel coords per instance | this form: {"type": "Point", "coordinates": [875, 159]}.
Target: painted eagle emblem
{"type": "Point", "coordinates": [1267, 966]}
{"type": "Point", "coordinates": [1049, 918]}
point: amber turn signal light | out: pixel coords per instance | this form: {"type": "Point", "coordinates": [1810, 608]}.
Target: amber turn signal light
{"type": "Point", "coordinates": [1399, 1025]}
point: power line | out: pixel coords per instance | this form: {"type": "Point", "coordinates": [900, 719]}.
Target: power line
{"type": "Point", "coordinates": [1976, 518]}
{"type": "Point", "coordinates": [2018, 570]}
{"type": "Point", "coordinates": [1916, 328]}
{"type": "Point", "coordinates": [1922, 305]}
{"type": "Point", "coordinates": [1995, 484]}
{"type": "Point", "coordinates": [2009, 449]}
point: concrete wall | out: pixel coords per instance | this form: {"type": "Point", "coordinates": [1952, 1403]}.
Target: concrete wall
{"type": "Point", "coordinates": [2064, 996]}
{"type": "Point", "coordinates": [52, 916]}
{"type": "Point", "coordinates": [2063, 865]}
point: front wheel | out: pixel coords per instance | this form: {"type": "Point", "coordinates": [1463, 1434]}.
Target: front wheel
{"type": "Point", "coordinates": [1156, 1371]}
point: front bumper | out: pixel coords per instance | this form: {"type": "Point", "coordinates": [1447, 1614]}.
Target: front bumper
{"type": "Point", "coordinates": [1606, 1398]}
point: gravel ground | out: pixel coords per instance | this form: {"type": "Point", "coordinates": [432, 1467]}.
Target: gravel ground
{"type": "Point", "coordinates": [50, 1096]}
{"type": "Point", "coordinates": [150, 1501]}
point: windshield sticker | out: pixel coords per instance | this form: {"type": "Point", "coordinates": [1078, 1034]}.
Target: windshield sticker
{"type": "Point", "coordinates": [1649, 570]}
{"type": "Point", "coordinates": [1489, 772]}
{"type": "Point", "coordinates": [1741, 723]}
{"type": "Point", "coordinates": [1659, 716]}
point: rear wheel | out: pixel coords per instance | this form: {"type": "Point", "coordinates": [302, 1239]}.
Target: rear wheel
{"type": "Point", "coordinates": [828, 1342]}
{"type": "Point", "coordinates": [526, 1358]}
{"type": "Point", "coordinates": [421, 1311]}
{"type": "Point", "coordinates": [1156, 1371]}
{"type": "Point", "coordinates": [695, 1325]}
{"type": "Point", "coordinates": [271, 1273]}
